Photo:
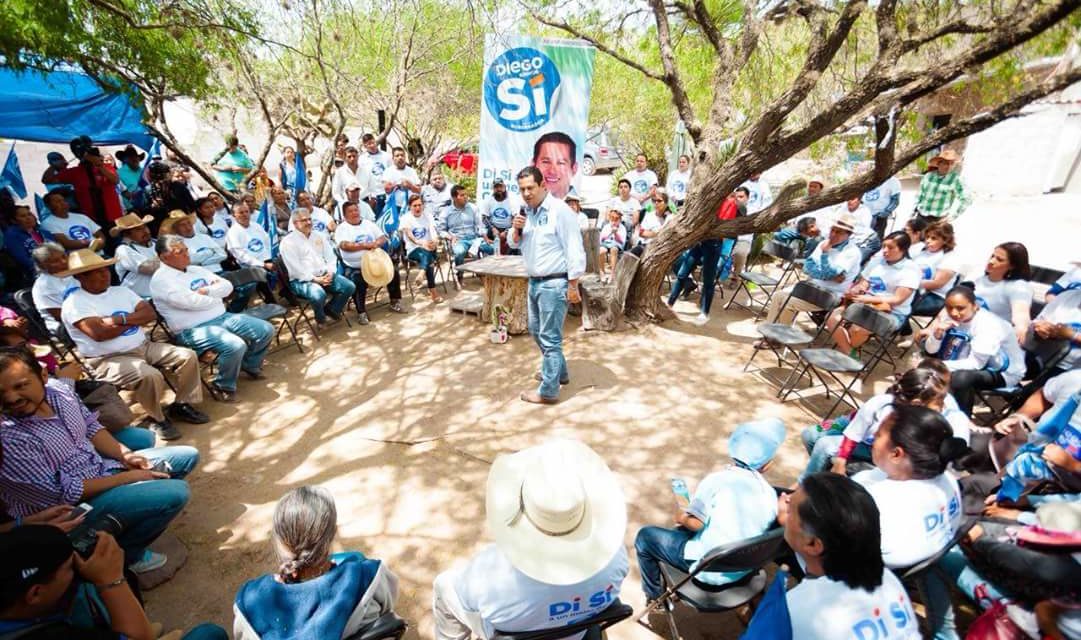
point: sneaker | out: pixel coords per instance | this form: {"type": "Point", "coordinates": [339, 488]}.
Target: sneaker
{"type": "Point", "coordinates": [362, 318]}
{"type": "Point", "coordinates": [149, 562]}
{"type": "Point", "coordinates": [396, 306]}
{"type": "Point", "coordinates": [254, 375]}
{"type": "Point", "coordinates": [184, 412]}
{"type": "Point", "coordinates": [165, 430]}
{"type": "Point", "coordinates": [701, 319]}
{"type": "Point", "coordinates": [223, 394]}
{"type": "Point", "coordinates": [333, 315]}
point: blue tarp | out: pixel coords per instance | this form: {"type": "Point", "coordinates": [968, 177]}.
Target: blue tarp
{"type": "Point", "coordinates": [60, 105]}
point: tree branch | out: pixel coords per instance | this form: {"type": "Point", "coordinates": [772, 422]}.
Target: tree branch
{"type": "Point", "coordinates": [671, 71]}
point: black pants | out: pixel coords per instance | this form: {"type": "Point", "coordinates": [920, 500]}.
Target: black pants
{"type": "Point", "coordinates": [879, 225]}
{"type": "Point", "coordinates": [964, 384]}
{"type": "Point", "coordinates": [394, 288]}
{"type": "Point", "coordinates": [929, 219]}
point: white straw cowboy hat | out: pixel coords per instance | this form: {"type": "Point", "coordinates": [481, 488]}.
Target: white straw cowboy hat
{"type": "Point", "coordinates": [376, 267]}
{"type": "Point", "coordinates": [845, 221]}
{"type": "Point", "coordinates": [130, 221]}
{"type": "Point", "coordinates": [176, 215]}
{"type": "Point", "coordinates": [84, 260]}
{"type": "Point", "coordinates": [556, 511]}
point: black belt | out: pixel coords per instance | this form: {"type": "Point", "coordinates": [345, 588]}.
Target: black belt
{"type": "Point", "coordinates": [550, 276]}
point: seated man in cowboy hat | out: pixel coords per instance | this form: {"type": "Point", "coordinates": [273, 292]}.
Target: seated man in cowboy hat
{"type": "Point", "coordinates": [189, 297]}
{"type": "Point", "coordinates": [558, 516]}
{"type": "Point", "coordinates": [733, 504]}
{"type": "Point", "coordinates": [312, 275]}
{"type": "Point", "coordinates": [136, 259]}
{"type": "Point", "coordinates": [357, 239]}
{"type": "Point", "coordinates": [72, 230]}
{"type": "Point", "coordinates": [204, 251]}
{"type": "Point", "coordinates": [104, 321]}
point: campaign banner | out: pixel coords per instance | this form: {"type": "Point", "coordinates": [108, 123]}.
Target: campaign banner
{"type": "Point", "coordinates": [535, 110]}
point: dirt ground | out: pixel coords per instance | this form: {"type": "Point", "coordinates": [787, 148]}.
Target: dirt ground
{"type": "Point", "coordinates": [400, 420]}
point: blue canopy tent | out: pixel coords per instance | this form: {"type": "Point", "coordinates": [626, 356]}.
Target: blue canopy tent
{"type": "Point", "coordinates": [57, 106]}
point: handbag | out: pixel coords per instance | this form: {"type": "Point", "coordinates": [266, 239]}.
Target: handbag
{"type": "Point", "coordinates": [113, 413]}
{"type": "Point", "coordinates": [995, 624]}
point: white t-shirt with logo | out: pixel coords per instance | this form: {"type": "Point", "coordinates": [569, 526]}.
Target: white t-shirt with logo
{"type": "Point", "coordinates": [508, 600]}
{"type": "Point", "coordinates": [640, 181]}
{"type": "Point", "coordinates": [825, 609]}
{"type": "Point", "coordinates": [114, 300]}
{"type": "Point", "coordinates": [992, 343]}
{"type": "Point", "coordinates": [652, 222]}
{"type": "Point", "coordinates": [376, 163]}
{"type": "Point", "coordinates": [250, 245]}
{"type": "Point", "coordinates": [218, 227]}
{"type": "Point", "coordinates": [1065, 309]}
{"type": "Point", "coordinates": [932, 263]}
{"type": "Point", "coordinates": [878, 199]}
{"type": "Point", "coordinates": [321, 221]}
{"type": "Point", "coordinates": [918, 517]}
{"type": "Point", "coordinates": [423, 228]}
{"type": "Point", "coordinates": [1000, 296]}
{"type": "Point", "coordinates": [205, 252]}
{"type": "Point", "coordinates": [500, 214]}
{"type": "Point", "coordinates": [366, 231]}
{"type": "Point", "coordinates": [175, 296]}
{"type": "Point", "coordinates": [885, 278]}
{"type": "Point", "coordinates": [627, 209]}
{"type": "Point", "coordinates": [677, 185]}
{"type": "Point", "coordinates": [869, 417]}
{"type": "Point", "coordinates": [75, 226]}
{"type": "Point", "coordinates": [1073, 276]}
{"type": "Point", "coordinates": [435, 200]}
{"type": "Point", "coordinates": [49, 292]}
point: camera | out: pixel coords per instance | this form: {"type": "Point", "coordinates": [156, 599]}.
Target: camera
{"type": "Point", "coordinates": [85, 538]}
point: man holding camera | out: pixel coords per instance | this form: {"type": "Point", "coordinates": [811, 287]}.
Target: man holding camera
{"type": "Point", "coordinates": [94, 182]}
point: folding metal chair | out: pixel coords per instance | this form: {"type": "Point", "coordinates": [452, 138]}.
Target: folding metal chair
{"type": "Point", "coordinates": [1046, 355]}
{"type": "Point", "coordinates": [1043, 276]}
{"type": "Point", "coordinates": [767, 284]}
{"type": "Point", "coordinates": [913, 577]}
{"type": "Point", "coordinates": [266, 311]}
{"type": "Point", "coordinates": [386, 627]}
{"type": "Point", "coordinates": [208, 360]}
{"type": "Point", "coordinates": [823, 363]}
{"type": "Point", "coordinates": [751, 555]}
{"type": "Point", "coordinates": [409, 263]}
{"type": "Point", "coordinates": [60, 342]}
{"type": "Point", "coordinates": [593, 627]}
{"type": "Point", "coordinates": [302, 305]}
{"type": "Point", "coordinates": [780, 338]}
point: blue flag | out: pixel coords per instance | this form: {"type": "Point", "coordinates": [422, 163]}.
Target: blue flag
{"type": "Point", "coordinates": [43, 211]}
{"type": "Point", "coordinates": [11, 176]}
{"type": "Point", "coordinates": [390, 219]}
{"type": "Point", "coordinates": [771, 620]}
{"type": "Point", "coordinates": [300, 182]}
{"type": "Point", "coordinates": [270, 225]}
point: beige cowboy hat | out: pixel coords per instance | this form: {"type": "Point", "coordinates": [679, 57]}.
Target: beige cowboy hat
{"type": "Point", "coordinates": [174, 216]}
{"type": "Point", "coordinates": [129, 221]}
{"type": "Point", "coordinates": [949, 155]}
{"type": "Point", "coordinates": [84, 260]}
{"type": "Point", "coordinates": [556, 511]}
{"type": "Point", "coordinates": [821, 182]}
{"type": "Point", "coordinates": [376, 267]}
{"type": "Point", "coordinates": [845, 221]}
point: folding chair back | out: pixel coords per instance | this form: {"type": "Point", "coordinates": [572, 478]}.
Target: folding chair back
{"type": "Point", "coordinates": [593, 215]}
{"type": "Point", "coordinates": [1045, 275]}
{"type": "Point", "coordinates": [784, 252]}
{"type": "Point", "coordinates": [743, 555]}
{"type": "Point", "coordinates": [386, 627]}
{"type": "Point", "coordinates": [915, 570]}
{"type": "Point", "coordinates": [594, 627]}
{"type": "Point", "coordinates": [879, 324]}
{"type": "Point", "coordinates": [245, 275]}
{"type": "Point", "coordinates": [813, 294]}
{"type": "Point", "coordinates": [24, 300]}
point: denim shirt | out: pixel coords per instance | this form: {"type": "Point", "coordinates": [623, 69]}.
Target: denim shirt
{"type": "Point", "coordinates": [463, 223]}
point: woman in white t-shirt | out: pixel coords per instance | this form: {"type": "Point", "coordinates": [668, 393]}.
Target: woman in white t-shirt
{"type": "Point", "coordinates": [975, 345]}
{"type": "Point", "coordinates": [420, 235]}
{"type": "Point", "coordinates": [832, 525]}
{"type": "Point", "coordinates": [919, 502]}
{"type": "Point", "coordinates": [939, 266]}
{"type": "Point", "coordinates": [653, 221]}
{"type": "Point", "coordinates": [914, 229]}
{"type": "Point", "coordinates": [1004, 288]}
{"type": "Point", "coordinates": [887, 284]}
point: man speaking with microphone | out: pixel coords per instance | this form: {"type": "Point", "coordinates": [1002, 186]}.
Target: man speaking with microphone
{"type": "Point", "coordinates": [546, 231]}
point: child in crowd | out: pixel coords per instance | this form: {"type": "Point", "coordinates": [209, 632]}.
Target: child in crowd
{"type": "Point", "coordinates": [613, 238]}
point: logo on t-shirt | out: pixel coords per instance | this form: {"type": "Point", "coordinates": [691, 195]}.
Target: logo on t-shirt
{"type": "Point", "coordinates": [217, 233]}
{"type": "Point", "coordinates": [679, 186]}
{"type": "Point", "coordinates": [871, 196]}
{"type": "Point", "coordinates": [202, 249]}
{"type": "Point", "coordinates": [519, 88]}
{"type": "Point", "coordinates": [420, 233]}
{"type": "Point", "coordinates": [79, 232]}
{"type": "Point", "coordinates": [641, 186]}
{"type": "Point", "coordinates": [377, 168]}
{"type": "Point", "coordinates": [500, 214]}
{"type": "Point", "coordinates": [199, 283]}
{"type": "Point", "coordinates": [364, 237]}
{"type": "Point", "coordinates": [255, 245]}
{"type": "Point", "coordinates": [927, 273]}
{"type": "Point", "coordinates": [130, 330]}
{"type": "Point", "coordinates": [561, 610]}
{"type": "Point", "coordinates": [319, 225]}
{"type": "Point", "coordinates": [67, 292]}
{"type": "Point", "coordinates": [876, 627]}
{"type": "Point", "coordinates": [878, 285]}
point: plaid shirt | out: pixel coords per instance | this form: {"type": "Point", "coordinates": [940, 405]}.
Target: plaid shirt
{"type": "Point", "coordinates": [46, 460]}
{"type": "Point", "coordinates": [942, 196]}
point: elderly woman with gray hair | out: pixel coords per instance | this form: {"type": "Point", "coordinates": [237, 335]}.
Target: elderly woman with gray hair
{"type": "Point", "coordinates": [314, 593]}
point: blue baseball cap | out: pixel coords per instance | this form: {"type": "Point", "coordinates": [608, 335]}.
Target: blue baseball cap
{"type": "Point", "coordinates": [754, 443]}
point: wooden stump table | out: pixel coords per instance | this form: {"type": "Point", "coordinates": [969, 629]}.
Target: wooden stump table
{"type": "Point", "coordinates": [505, 285]}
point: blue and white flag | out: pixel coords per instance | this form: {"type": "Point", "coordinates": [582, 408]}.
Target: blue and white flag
{"type": "Point", "coordinates": [12, 177]}
{"type": "Point", "coordinates": [771, 619]}
{"type": "Point", "coordinates": [270, 225]}
{"type": "Point", "coordinates": [300, 182]}
{"type": "Point", "coordinates": [390, 220]}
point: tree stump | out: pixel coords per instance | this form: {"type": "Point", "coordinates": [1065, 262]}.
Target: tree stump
{"type": "Point", "coordinates": [512, 295]}
{"type": "Point", "coordinates": [602, 304]}
{"type": "Point", "coordinates": [592, 244]}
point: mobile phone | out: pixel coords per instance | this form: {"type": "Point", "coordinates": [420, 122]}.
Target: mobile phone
{"type": "Point", "coordinates": [79, 510]}
{"type": "Point", "coordinates": [162, 466]}
{"type": "Point", "coordinates": [679, 487]}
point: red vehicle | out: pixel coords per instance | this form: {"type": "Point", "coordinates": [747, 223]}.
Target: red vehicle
{"type": "Point", "coordinates": [461, 159]}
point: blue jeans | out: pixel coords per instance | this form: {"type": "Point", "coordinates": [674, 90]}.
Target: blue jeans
{"type": "Point", "coordinates": [340, 288]}
{"type": "Point", "coordinates": [425, 260]}
{"type": "Point", "coordinates": [823, 446]}
{"type": "Point", "coordinates": [724, 260]}
{"type": "Point", "coordinates": [240, 341]}
{"type": "Point", "coordinates": [206, 631]}
{"type": "Point", "coordinates": [547, 311]}
{"type": "Point", "coordinates": [705, 253]}
{"type": "Point", "coordinates": [655, 545]}
{"type": "Point", "coordinates": [146, 508]}
{"type": "Point", "coordinates": [461, 248]}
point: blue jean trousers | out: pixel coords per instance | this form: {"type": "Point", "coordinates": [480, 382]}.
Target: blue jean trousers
{"type": "Point", "coordinates": [823, 446]}
{"type": "Point", "coordinates": [461, 248]}
{"type": "Point", "coordinates": [240, 341]}
{"type": "Point", "coordinates": [146, 508]}
{"type": "Point", "coordinates": [425, 260]}
{"type": "Point", "coordinates": [655, 545]}
{"type": "Point", "coordinates": [547, 311]}
{"type": "Point", "coordinates": [340, 289]}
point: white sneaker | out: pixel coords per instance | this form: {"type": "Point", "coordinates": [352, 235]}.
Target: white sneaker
{"type": "Point", "coordinates": [149, 562]}
{"type": "Point", "coordinates": [701, 319]}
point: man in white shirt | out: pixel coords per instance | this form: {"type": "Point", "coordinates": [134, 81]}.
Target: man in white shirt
{"type": "Point", "coordinates": [641, 179]}
{"type": "Point", "coordinates": [104, 321]}
{"type": "Point", "coordinates": [136, 259]}
{"type": "Point", "coordinates": [353, 193]}
{"type": "Point", "coordinates": [547, 234]}
{"type": "Point", "coordinates": [437, 196]}
{"type": "Point", "coordinates": [498, 211]}
{"type": "Point", "coordinates": [249, 245]}
{"type": "Point", "coordinates": [1059, 320]}
{"type": "Point", "coordinates": [356, 236]}
{"type": "Point", "coordinates": [678, 180]}
{"type": "Point", "coordinates": [558, 516]}
{"type": "Point", "coordinates": [311, 274]}
{"type": "Point", "coordinates": [882, 201]}
{"type": "Point", "coordinates": [202, 249]}
{"type": "Point", "coordinates": [400, 180]}
{"type": "Point", "coordinates": [350, 172]}
{"type": "Point", "coordinates": [322, 222]}
{"type": "Point", "coordinates": [864, 236]}
{"type": "Point", "coordinates": [377, 162]}
{"type": "Point", "coordinates": [50, 289]}
{"type": "Point", "coordinates": [190, 298]}
{"type": "Point", "coordinates": [72, 230]}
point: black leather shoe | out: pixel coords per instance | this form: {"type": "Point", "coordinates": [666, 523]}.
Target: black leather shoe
{"type": "Point", "coordinates": [184, 412]}
{"type": "Point", "coordinates": [165, 430]}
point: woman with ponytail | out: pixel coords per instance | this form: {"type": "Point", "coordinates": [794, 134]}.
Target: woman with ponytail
{"type": "Point", "coordinates": [314, 593]}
